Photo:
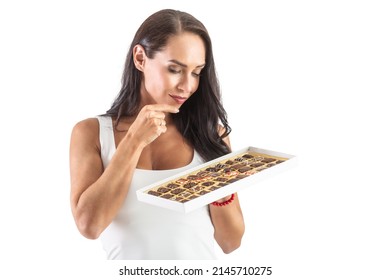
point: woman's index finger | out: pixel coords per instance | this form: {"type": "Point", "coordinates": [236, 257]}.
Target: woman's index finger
{"type": "Point", "coordinates": [163, 108]}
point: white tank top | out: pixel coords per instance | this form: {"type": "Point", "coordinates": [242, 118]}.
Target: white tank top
{"type": "Point", "coordinates": [145, 232]}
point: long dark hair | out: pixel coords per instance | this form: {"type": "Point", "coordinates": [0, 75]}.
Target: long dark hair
{"type": "Point", "coordinates": [201, 116]}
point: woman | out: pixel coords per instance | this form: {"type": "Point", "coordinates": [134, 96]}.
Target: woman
{"type": "Point", "coordinates": [167, 118]}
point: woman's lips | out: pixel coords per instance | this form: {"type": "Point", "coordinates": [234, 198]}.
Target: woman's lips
{"type": "Point", "coordinates": [179, 99]}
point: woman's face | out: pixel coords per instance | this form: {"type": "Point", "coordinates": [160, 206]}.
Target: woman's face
{"type": "Point", "coordinates": [172, 76]}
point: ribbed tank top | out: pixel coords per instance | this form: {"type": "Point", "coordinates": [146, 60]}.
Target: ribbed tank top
{"type": "Point", "coordinates": [142, 231]}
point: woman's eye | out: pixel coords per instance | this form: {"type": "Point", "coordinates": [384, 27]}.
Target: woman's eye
{"type": "Point", "coordinates": [174, 71]}
{"type": "Point", "coordinates": [179, 71]}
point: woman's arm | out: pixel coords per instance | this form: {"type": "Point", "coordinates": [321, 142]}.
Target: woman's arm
{"type": "Point", "coordinates": [228, 222]}
{"type": "Point", "coordinates": [98, 194]}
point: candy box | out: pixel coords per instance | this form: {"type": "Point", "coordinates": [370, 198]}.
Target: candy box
{"type": "Point", "coordinates": [215, 179]}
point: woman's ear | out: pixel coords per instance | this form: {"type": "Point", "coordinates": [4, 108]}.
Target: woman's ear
{"type": "Point", "coordinates": [139, 57]}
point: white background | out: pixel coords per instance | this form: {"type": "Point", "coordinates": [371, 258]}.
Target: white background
{"type": "Point", "coordinates": [302, 77]}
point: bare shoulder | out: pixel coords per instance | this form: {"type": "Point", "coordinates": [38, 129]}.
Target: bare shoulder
{"type": "Point", "coordinates": [86, 131]}
{"type": "Point", "coordinates": [87, 125]}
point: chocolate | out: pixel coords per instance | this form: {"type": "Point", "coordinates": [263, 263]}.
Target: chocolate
{"type": "Point", "coordinates": [204, 181]}
{"type": "Point", "coordinates": [185, 194]}
{"type": "Point", "coordinates": [255, 159]}
{"type": "Point", "coordinates": [189, 185]}
{"type": "Point", "coordinates": [221, 165]}
{"type": "Point", "coordinates": [172, 186]}
{"type": "Point", "coordinates": [193, 177]}
{"type": "Point", "coordinates": [221, 179]}
{"type": "Point", "coordinates": [177, 191]}
{"type": "Point", "coordinates": [230, 173]}
{"type": "Point", "coordinates": [203, 174]}
{"type": "Point", "coordinates": [258, 164]}
{"type": "Point", "coordinates": [244, 169]}
{"type": "Point", "coordinates": [238, 166]}
{"type": "Point", "coordinates": [213, 169]}
{"type": "Point", "coordinates": [203, 192]}
{"type": "Point", "coordinates": [163, 190]}
{"type": "Point", "coordinates": [154, 193]}
{"type": "Point", "coordinates": [181, 181]}
{"type": "Point", "coordinates": [247, 156]}
{"type": "Point", "coordinates": [197, 188]}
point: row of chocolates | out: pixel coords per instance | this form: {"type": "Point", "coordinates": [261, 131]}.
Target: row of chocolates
{"type": "Point", "coordinates": [214, 177]}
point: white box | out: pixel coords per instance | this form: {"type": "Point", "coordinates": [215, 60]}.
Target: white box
{"type": "Point", "coordinates": [286, 161]}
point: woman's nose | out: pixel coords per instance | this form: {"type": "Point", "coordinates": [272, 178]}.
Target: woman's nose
{"type": "Point", "coordinates": [186, 84]}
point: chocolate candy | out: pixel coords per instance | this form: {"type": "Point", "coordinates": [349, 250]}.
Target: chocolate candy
{"type": "Point", "coordinates": [154, 193]}
{"type": "Point", "coordinates": [190, 185]}
{"type": "Point", "coordinates": [177, 191]}
{"type": "Point", "coordinates": [221, 179]}
{"type": "Point", "coordinates": [181, 181]}
{"type": "Point", "coordinates": [258, 164]}
{"type": "Point", "coordinates": [213, 169]}
{"type": "Point", "coordinates": [238, 166]}
{"type": "Point", "coordinates": [267, 160]}
{"type": "Point", "coordinates": [172, 186]}
{"type": "Point", "coordinates": [244, 169]}
{"type": "Point", "coordinates": [214, 177]}
{"type": "Point", "coordinates": [163, 190]}
{"type": "Point", "coordinates": [247, 156]}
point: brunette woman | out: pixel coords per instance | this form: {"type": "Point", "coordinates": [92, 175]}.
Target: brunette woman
{"type": "Point", "coordinates": [168, 117]}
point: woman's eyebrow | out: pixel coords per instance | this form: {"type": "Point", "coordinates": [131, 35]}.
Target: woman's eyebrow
{"type": "Point", "coordinates": [184, 65]}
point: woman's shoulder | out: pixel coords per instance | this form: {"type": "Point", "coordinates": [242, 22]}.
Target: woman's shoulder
{"type": "Point", "coordinates": [86, 130]}
{"type": "Point", "coordinates": [86, 125]}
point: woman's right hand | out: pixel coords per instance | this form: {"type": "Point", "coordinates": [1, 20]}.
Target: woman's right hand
{"type": "Point", "coordinates": [150, 123]}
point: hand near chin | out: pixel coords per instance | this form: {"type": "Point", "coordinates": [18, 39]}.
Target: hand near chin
{"type": "Point", "coordinates": [150, 122]}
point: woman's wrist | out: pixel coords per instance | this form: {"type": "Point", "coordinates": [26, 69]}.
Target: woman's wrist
{"type": "Point", "coordinates": [224, 201]}
{"type": "Point", "coordinates": [134, 141]}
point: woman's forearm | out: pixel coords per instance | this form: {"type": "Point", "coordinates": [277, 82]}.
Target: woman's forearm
{"type": "Point", "coordinates": [228, 224]}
